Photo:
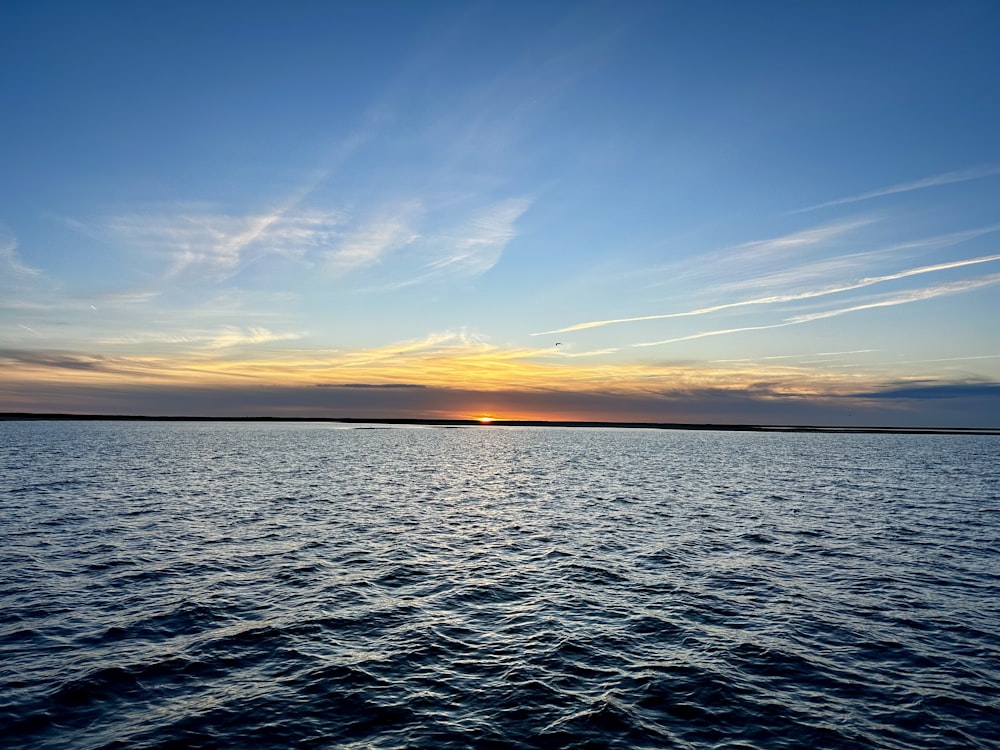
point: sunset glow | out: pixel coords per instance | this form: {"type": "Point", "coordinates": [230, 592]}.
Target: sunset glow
{"type": "Point", "coordinates": [555, 211]}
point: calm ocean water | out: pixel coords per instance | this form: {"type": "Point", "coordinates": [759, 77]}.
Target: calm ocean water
{"type": "Point", "coordinates": [225, 585]}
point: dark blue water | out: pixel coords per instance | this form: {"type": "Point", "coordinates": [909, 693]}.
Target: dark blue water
{"type": "Point", "coordinates": [279, 585]}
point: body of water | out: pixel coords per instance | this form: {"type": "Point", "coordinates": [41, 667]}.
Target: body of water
{"type": "Point", "coordinates": [278, 585]}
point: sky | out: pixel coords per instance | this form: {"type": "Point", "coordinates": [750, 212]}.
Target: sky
{"type": "Point", "coordinates": [723, 212]}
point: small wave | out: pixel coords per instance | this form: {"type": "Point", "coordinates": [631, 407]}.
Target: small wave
{"type": "Point", "coordinates": [243, 585]}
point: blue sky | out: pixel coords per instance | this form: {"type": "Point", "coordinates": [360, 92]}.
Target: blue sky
{"type": "Point", "coordinates": [673, 211]}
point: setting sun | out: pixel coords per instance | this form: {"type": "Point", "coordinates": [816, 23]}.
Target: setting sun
{"type": "Point", "coordinates": [484, 420]}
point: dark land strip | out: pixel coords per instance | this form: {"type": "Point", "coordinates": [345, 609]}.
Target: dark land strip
{"type": "Point", "coordinates": [499, 423]}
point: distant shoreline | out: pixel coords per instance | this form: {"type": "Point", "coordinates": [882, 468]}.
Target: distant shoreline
{"type": "Point", "coordinates": [34, 416]}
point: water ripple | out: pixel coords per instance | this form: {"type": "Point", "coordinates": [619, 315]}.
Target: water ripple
{"type": "Point", "coordinates": [213, 585]}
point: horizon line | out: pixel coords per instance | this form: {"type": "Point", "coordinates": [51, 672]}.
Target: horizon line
{"type": "Point", "coordinates": [500, 422]}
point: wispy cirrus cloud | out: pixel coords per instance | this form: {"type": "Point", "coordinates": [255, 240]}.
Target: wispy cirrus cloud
{"type": "Point", "coordinates": [756, 254]}
{"type": "Point", "coordinates": [914, 295]}
{"type": "Point", "coordinates": [478, 244]}
{"type": "Point", "coordinates": [593, 353]}
{"type": "Point", "coordinates": [902, 298]}
{"type": "Point", "coordinates": [218, 245]}
{"type": "Point", "coordinates": [780, 247]}
{"type": "Point", "coordinates": [819, 251]}
{"type": "Point", "coordinates": [841, 265]}
{"type": "Point", "coordinates": [469, 249]}
{"type": "Point", "coordinates": [960, 359]}
{"type": "Point", "coordinates": [27, 292]}
{"type": "Point", "coordinates": [199, 240]}
{"type": "Point", "coordinates": [11, 263]}
{"type": "Point", "coordinates": [283, 229]}
{"type": "Point", "coordinates": [196, 238]}
{"type": "Point", "coordinates": [947, 178]}
{"type": "Point", "coordinates": [782, 298]}
{"type": "Point", "coordinates": [123, 298]}
{"type": "Point", "coordinates": [231, 336]}
{"type": "Point", "coordinates": [719, 332]}
{"type": "Point", "coordinates": [793, 356]}
{"type": "Point", "coordinates": [223, 337]}
{"type": "Point", "coordinates": [368, 244]}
